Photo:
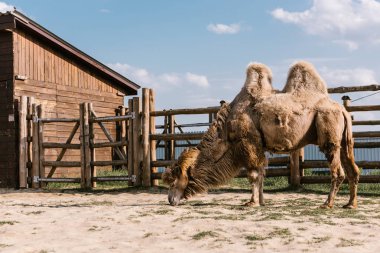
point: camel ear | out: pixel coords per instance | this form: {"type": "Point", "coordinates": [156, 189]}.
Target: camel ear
{"type": "Point", "coordinates": [166, 176]}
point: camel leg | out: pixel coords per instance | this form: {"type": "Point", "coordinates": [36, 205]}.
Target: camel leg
{"type": "Point", "coordinates": [256, 179]}
{"type": "Point", "coordinates": [253, 158]}
{"type": "Point", "coordinates": [337, 176]}
{"type": "Point", "coordinates": [353, 173]}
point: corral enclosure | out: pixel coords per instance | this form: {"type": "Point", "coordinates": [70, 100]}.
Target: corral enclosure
{"type": "Point", "coordinates": [35, 62]}
{"type": "Point", "coordinates": [61, 79]}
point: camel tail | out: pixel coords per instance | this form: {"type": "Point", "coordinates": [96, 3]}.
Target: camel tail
{"type": "Point", "coordinates": [347, 135]}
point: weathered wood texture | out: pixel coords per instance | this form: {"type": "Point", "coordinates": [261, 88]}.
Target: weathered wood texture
{"type": "Point", "coordinates": [59, 84]}
{"type": "Point", "coordinates": [8, 117]}
{"type": "Point", "coordinates": [146, 170]}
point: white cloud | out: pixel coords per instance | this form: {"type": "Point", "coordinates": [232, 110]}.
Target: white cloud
{"type": "Point", "coordinates": [347, 77]}
{"type": "Point", "coordinates": [5, 7]}
{"type": "Point", "coordinates": [345, 21]}
{"type": "Point", "coordinates": [162, 81]}
{"type": "Point", "coordinates": [224, 29]}
{"type": "Point", "coordinates": [198, 80]}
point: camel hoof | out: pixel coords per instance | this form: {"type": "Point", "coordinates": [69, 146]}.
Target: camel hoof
{"type": "Point", "coordinates": [350, 206]}
{"type": "Point", "coordinates": [325, 206]}
{"type": "Point", "coordinates": [262, 204]}
{"type": "Point", "coordinates": [251, 204]}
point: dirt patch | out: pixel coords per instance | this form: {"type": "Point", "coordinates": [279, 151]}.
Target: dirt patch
{"type": "Point", "coordinates": [143, 222]}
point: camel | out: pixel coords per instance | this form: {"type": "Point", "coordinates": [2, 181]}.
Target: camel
{"type": "Point", "coordinates": [259, 120]}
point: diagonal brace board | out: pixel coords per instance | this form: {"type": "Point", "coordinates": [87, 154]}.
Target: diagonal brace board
{"type": "Point", "coordinates": [63, 151]}
{"type": "Point", "coordinates": [119, 152]}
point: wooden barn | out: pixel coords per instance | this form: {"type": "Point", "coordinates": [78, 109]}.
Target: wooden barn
{"type": "Point", "coordinates": [35, 62]}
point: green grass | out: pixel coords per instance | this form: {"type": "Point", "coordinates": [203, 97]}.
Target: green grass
{"type": "Point", "coordinates": [252, 238]}
{"type": "Point", "coordinates": [8, 222]}
{"type": "Point", "coordinates": [272, 184]}
{"type": "Point", "coordinates": [99, 185]}
{"type": "Point", "coordinates": [204, 234]}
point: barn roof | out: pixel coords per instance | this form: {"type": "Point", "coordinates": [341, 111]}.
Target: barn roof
{"type": "Point", "coordinates": [16, 20]}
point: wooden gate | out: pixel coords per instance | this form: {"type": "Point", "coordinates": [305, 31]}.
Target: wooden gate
{"type": "Point", "coordinates": [34, 161]}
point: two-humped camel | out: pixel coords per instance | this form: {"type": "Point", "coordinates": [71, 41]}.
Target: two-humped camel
{"type": "Point", "coordinates": [260, 120]}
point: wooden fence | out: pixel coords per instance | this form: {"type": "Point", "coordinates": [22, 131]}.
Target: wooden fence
{"type": "Point", "coordinates": [292, 166]}
{"type": "Point", "coordinates": [33, 146]}
{"type": "Point", "coordinates": [135, 148]}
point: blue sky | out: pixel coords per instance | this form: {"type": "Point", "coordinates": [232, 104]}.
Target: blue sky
{"type": "Point", "coordinates": [194, 53]}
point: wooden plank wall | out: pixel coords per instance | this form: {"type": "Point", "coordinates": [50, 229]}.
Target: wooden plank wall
{"type": "Point", "coordinates": [8, 135]}
{"type": "Point", "coordinates": [61, 84]}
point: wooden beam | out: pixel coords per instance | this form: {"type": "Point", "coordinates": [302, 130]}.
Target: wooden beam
{"type": "Point", "coordinates": [130, 142]}
{"type": "Point", "coordinates": [113, 118]}
{"type": "Point", "coordinates": [373, 87]}
{"type": "Point", "coordinates": [92, 148]}
{"type": "Point", "coordinates": [108, 163]}
{"type": "Point", "coordinates": [137, 141]}
{"type": "Point", "coordinates": [109, 144]}
{"type": "Point", "coordinates": [35, 148]}
{"type": "Point", "coordinates": [363, 108]}
{"type": "Point", "coordinates": [171, 120]}
{"type": "Point", "coordinates": [60, 145]}
{"type": "Point", "coordinates": [169, 137]}
{"type": "Point", "coordinates": [86, 145]}
{"type": "Point", "coordinates": [23, 171]}
{"type": "Point", "coordinates": [146, 180]}
{"type": "Point", "coordinates": [82, 151]}
{"type": "Point", "coordinates": [30, 102]}
{"type": "Point", "coordinates": [62, 164]}
{"type": "Point", "coordinates": [186, 111]}
{"type": "Point", "coordinates": [365, 122]}
{"type": "Point", "coordinates": [40, 113]}
{"type": "Point", "coordinates": [152, 130]}
{"type": "Point", "coordinates": [366, 134]}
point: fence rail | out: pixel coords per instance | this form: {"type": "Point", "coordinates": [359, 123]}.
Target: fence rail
{"type": "Point", "coordinates": [138, 137]}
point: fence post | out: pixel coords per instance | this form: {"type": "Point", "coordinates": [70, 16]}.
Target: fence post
{"type": "Point", "coordinates": [166, 143]}
{"type": "Point", "coordinates": [91, 140]}
{"type": "Point", "coordinates": [152, 130]}
{"type": "Point", "coordinates": [23, 172]}
{"type": "Point", "coordinates": [40, 113]}
{"type": "Point", "coordinates": [85, 146]}
{"type": "Point", "coordinates": [30, 103]}
{"type": "Point", "coordinates": [146, 175]}
{"type": "Point", "coordinates": [137, 141]}
{"type": "Point", "coordinates": [295, 177]}
{"type": "Point", "coordinates": [172, 142]}
{"type": "Point", "coordinates": [123, 128]}
{"type": "Point", "coordinates": [130, 142]}
{"type": "Point", "coordinates": [35, 148]}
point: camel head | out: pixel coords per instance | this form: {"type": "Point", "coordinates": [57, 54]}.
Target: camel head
{"type": "Point", "coordinates": [178, 175]}
{"type": "Point", "coordinates": [259, 79]}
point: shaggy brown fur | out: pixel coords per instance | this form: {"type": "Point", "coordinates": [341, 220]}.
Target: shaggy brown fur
{"type": "Point", "coordinates": [303, 77]}
{"type": "Point", "coordinates": [258, 121]}
{"type": "Point", "coordinates": [208, 165]}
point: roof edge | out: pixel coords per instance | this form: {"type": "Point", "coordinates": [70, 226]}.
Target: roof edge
{"type": "Point", "coordinates": [25, 22]}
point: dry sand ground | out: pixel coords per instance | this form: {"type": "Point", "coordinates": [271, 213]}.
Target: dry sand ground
{"type": "Point", "coordinates": [142, 221]}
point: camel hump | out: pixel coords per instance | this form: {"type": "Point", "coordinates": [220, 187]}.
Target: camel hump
{"type": "Point", "coordinates": [303, 76]}
{"type": "Point", "coordinates": [259, 78]}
